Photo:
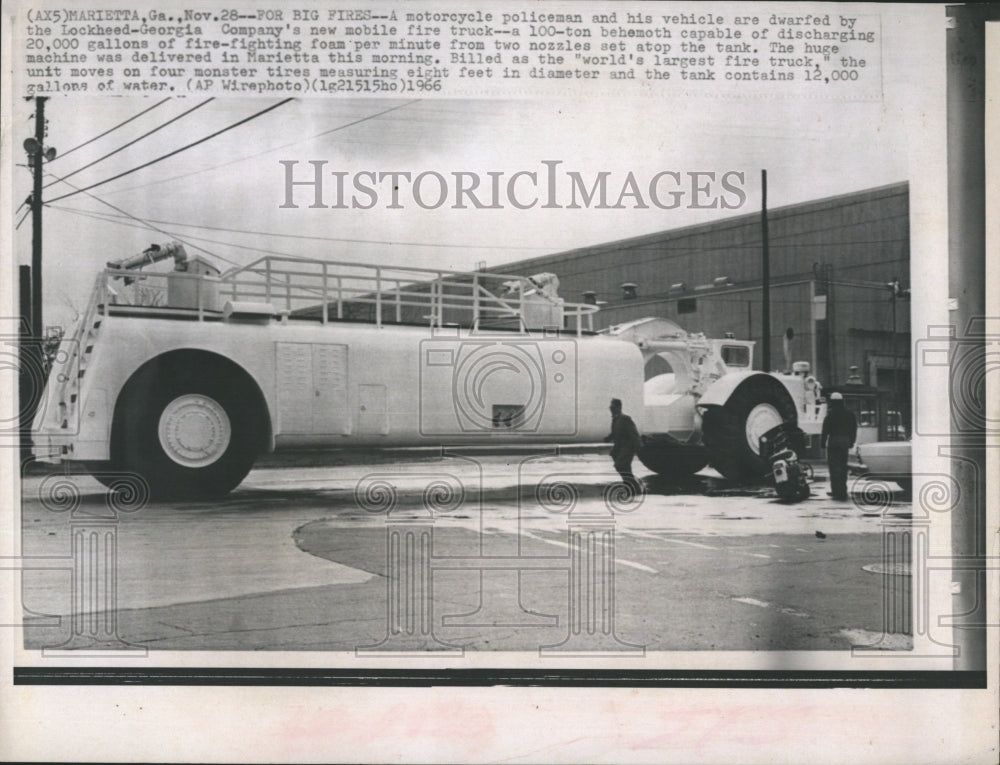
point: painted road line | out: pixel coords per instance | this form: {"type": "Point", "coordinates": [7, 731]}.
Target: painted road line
{"type": "Point", "coordinates": [764, 604]}
{"type": "Point", "coordinates": [753, 602]}
{"type": "Point", "coordinates": [877, 640]}
{"type": "Point", "coordinates": [690, 544]}
{"type": "Point", "coordinates": [620, 561]}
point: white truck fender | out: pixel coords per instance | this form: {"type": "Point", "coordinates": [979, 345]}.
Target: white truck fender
{"type": "Point", "coordinates": [718, 393]}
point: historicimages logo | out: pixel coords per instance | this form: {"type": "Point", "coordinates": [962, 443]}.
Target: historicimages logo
{"type": "Point", "coordinates": [313, 185]}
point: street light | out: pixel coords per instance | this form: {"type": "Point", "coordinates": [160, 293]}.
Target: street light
{"type": "Point", "coordinates": [34, 148]}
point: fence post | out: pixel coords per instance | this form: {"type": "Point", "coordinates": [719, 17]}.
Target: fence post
{"type": "Point", "coordinates": [326, 307]}
{"type": "Point", "coordinates": [475, 300]}
{"type": "Point", "coordinates": [437, 309]}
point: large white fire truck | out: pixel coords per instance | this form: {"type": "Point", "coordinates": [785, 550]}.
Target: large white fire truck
{"type": "Point", "coordinates": [186, 377]}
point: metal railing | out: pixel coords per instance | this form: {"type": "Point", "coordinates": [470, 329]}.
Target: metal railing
{"type": "Point", "coordinates": [383, 294]}
{"type": "Point", "coordinates": [335, 291]}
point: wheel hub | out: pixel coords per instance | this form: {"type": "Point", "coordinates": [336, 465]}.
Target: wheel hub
{"type": "Point", "coordinates": [761, 419]}
{"type": "Point", "coordinates": [194, 430]}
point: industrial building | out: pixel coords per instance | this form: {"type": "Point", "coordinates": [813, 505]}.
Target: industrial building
{"type": "Point", "coordinates": [838, 284]}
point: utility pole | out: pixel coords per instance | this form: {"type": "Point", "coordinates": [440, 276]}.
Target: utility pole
{"type": "Point", "coordinates": [32, 354]}
{"type": "Point", "coordinates": [896, 292]}
{"type": "Point", "coordinates": [895, 358]}
{"type": "Point", "coordinates": [36, 150]}
{"type": "Point", "coordinates": [765, 266]}
{"type": "Point", "coordinates": [894, 287]}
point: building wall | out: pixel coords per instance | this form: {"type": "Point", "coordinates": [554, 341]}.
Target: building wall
{"type": "Point", "coordinates": [846, 247]}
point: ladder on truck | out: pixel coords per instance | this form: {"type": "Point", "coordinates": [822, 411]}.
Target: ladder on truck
{"type": "Point", "coordinates": [60, 405]}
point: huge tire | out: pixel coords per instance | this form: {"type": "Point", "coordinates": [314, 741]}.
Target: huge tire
{"type": "Point", "coordinates": [673, 460]}
{"type": "Point", "coordinates": [191, 431]}
{"type": "Point", "coordinates": [101, 472]}
{"type": "Point", "coordinates": [732, 432]}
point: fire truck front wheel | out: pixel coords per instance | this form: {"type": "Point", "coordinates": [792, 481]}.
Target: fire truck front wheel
{"type": "Point", "coordinates": [732, 432]}
{"type": "Point", "coordinates": [191, 434]}
{"type": "Point", "coordinates": [672, 460]}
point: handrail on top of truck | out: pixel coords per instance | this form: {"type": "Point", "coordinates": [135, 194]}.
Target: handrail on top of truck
{"type": "Point", "coordinates": [328, 290]}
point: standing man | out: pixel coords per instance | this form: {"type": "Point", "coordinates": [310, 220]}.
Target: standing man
{"type": "Point", "coordinates": [625, 441]}
{"type": "Point", "coordinates": [840, 430]}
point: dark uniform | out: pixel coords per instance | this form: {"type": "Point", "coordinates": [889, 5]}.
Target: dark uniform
{"type": "Point", "coordinates": [840, 430]}
{"type": "Point", "coordinates": [626, 442]}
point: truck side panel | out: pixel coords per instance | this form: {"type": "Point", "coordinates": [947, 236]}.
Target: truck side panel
{"type": "Point", "coordinates": [343, 384]}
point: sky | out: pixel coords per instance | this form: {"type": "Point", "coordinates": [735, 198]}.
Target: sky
{"type": "Point", "coordinates": [225, 195]}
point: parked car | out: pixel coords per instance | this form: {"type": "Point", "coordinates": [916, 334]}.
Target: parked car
{"type": "Point", "coordinates": [887, 460]}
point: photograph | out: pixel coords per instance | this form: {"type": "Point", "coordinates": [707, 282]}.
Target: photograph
{"type": "Point", "coordinates": [627, 347]}
{"type": "Point", "coordinates": [294, 375]}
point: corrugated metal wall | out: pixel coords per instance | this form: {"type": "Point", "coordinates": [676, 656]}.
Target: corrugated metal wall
{"type": "Point", "coordinates": [863, 239]}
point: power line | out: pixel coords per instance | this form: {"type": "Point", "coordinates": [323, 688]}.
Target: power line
{"type": "Point", "coordinates": [172, 153]}
{"type": "Point", "coordinates": [147, 225]}
{"type": "Point", "coordinates": [111, 130]}
{"type": "Point", "coordinates": [248, 248]}
{"type": "Point", "coordinates": [118, 220]}
{"type": "Point", "coordinates": [130, 143]}
{"type": "Point", "coordinates": [266, 151]}
{"type": "Point", "coordinates": [313, 238]}
{"type": "Point", "coordinates": [144, 224]}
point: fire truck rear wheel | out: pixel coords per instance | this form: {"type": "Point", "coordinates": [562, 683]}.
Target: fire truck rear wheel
{"type": "Point", "coordinates": [191, 434]}
{"type": "Point", "coordinates": [731, 432]}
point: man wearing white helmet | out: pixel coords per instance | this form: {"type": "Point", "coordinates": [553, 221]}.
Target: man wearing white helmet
{"type": "Point", "coordinates": [840, 430]}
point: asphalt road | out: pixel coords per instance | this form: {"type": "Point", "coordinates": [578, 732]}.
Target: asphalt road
{"type": "Point", "coordinates": [452, 554]}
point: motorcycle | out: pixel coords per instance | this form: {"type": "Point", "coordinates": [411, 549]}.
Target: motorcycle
{"type": "Point", "coordinates": [780, 446]}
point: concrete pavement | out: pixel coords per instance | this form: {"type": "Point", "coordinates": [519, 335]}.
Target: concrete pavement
{"type": "Point", "coordinates": [298, 558]}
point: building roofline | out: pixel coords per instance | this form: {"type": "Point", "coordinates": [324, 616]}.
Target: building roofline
{"type": "Point", "coordinates": [734, 221]}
